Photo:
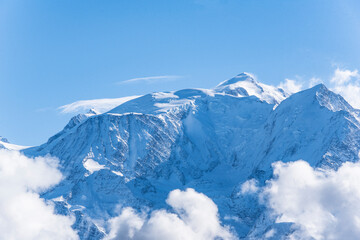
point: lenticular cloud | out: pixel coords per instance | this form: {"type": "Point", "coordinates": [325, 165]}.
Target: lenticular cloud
{"type": "Point", "coordinates": [324, 204]}
{"type": "Point", "coordinates": [195, 216]}
{"type": "Point", "coordinates": [23, 214]}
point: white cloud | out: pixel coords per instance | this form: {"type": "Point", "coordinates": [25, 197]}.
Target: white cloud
{"type": "Point", "coordinates": [291, 86]}
{"type": "Point", "coordinates": [194, 216]}
{"type": "Point", "coordinates": [100, 105]}
{"type": "Point", "coordinates": [342, 76]}
{"type": "Point", "coordinates": [324, 204]}
{"type": "Point", "coordinates": [314, 81]}
{"type": "Point", "coordinates": [23, 214]}
{"type": "Point", "coordinates": [126, 224]}
{"type": "Point", "coordinates": [250, 186]}
{"type": "Point", "coordinates": [344, 82]}
{"type": "Point", "coordinates": [351, 93]}
{"type": "Point", "coordinates": [347, 84]}
{"type": "Point", "coordinates": [152, 79]}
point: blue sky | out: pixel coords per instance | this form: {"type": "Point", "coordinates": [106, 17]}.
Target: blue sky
{"type": "Point", "coordinates": [56, 52]}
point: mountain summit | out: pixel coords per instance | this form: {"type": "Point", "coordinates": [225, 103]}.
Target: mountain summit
{"type": "Point", "coordinates": [238, 78]}
{"type": "Point", "coordinates": [244, 85]}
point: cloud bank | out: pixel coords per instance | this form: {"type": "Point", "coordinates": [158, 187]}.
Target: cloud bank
{"type": "Point", "coordinates": [23, 214]}
{"type": "Point", "coordinates": [99, 105]}
{"type": "Point", "coordinates": [324, 204]}
{"type": "Point", "coordinates": [194, 217]}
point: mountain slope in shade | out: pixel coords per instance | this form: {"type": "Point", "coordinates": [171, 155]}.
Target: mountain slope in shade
{"type": "Point", "coordinates": [211, 140]}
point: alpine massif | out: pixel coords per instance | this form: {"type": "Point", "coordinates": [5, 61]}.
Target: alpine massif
{"type": "Point", "coordinates": [221, 142]}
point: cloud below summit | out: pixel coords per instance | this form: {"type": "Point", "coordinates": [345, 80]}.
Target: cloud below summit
{"type": "Point", "coordinates": [194, 216]}
{"type": "Point", "coordinates": [23, 214]}
{"type": "Point", "coordinates": [324, 204]}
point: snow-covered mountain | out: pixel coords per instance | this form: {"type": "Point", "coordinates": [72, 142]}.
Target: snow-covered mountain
{"type": "Point", "coordinates": [5, 144]}
{"type": "Point", "coordinates": [244, 85]}
{"type": "Point", "coordinates": [212, 140]}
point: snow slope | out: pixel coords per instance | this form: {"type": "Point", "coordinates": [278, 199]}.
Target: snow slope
{"type": "Point", "coordinates": [212, 140]}
{"type": "Point", "coordinates": [4, 143]}
{"type": "Point", "coordinates": [244, 85]}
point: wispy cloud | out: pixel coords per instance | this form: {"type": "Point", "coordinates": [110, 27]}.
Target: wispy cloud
{"type": "Point", "coordinates": [314, 81]}
{"type": "Point", "coordinates": [343, 81]}
{"type": "Point", "coordinates": [291, 86]}
{"type": "Point", "coordinates": [151, 79]}
{"type": "Point", "coordinates": [344, 76]}
{"type": "Point", "coordinates": [100, 105]}
{"type": "Point", "coordinates": [347, 83]}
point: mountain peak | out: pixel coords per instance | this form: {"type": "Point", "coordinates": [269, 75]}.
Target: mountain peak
{"type": "Point", "coordinates": [331, 100]}
{"type": "Point", "coordinates": [2, 139]}
{"type": "Point", "coordinates": [319, 87]}
{"type": "Point", "coordinates": [245, 85]}
{"type": "Point", "coordinates": [92, 111]}
{"type": "Point", "coordinates": [323, 96]}
{"type": "Point", "coordinates": [238, 78]}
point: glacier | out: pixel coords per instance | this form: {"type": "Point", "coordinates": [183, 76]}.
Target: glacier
{"type": "Point", "coordinates": [211, 140]}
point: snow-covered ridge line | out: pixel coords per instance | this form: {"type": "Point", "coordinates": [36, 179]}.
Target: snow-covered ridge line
{"type": "Point", "coordinates": [242, 85]}
{"type": "Point", "coordinates": [99, 105]}
{"type": "Point", "coordinates": [4, 143]}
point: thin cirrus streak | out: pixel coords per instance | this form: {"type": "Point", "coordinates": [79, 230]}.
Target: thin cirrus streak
{"type": "Point", "coordinates": [151, 79]}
